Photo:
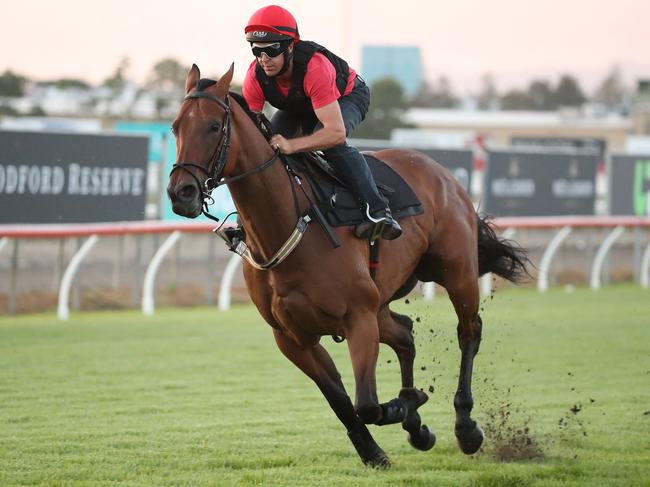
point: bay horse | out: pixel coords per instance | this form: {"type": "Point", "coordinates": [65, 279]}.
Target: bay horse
{"type": "Point", "coordinates": [319, 290]}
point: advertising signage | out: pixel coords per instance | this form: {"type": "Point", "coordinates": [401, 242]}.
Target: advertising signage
{"type": "Point", "coordinates": [71, 178]}
{"type": "Point", "coordinates": [535, 183]}
{"type": "Point", "coordinates": [629, 185]}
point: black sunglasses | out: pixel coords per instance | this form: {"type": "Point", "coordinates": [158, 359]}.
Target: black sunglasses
{"type": "Point", "coordinates": [271, 50]}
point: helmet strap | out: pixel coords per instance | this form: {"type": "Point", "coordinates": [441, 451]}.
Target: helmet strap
{"type": "Point", "coordinates": [288, 55]}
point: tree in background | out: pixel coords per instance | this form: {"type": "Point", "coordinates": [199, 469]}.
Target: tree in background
{"type": "Point", "coordinates": [516, 100]}
{"type": "Point", "coordinates": [12, 85]}
{"type": "Point", "coordinates": [488, 96]}
{"type": "Point", "coordinates": [436, 95]}
{"type": "Point", "coordinates": [568, 92]}
{"type": "Point", "coordinates": [541, 95]}
{"type": "Point", "coordinates": [168, 75]}
{"type": "Point", "coordinates": [65, 83]}
{"type": "Point", "coordinates": [387, 106]}
{"type": "Point", "coordinates": [117, 80]}
{"type": "Point", "coordinates": [167, 79]}
{"type": "Point", "coordinates": [612, 91]}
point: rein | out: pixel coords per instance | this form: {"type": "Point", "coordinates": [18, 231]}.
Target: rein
{"type": "Point", "coordinates": [214, 171]}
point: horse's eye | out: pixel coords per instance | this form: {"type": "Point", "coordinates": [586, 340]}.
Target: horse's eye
{"type": "Point", "coordinates": [215, 126]}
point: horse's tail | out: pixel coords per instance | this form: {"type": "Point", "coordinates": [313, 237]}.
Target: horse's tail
{"type": "Point", "coordinates": [498, 255]}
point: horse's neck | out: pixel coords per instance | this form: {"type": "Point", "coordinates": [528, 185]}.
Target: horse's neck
{"type": "Point", "coordinates": [264, 200]}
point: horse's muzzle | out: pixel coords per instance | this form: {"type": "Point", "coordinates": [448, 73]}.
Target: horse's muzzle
{"type": "Point", "coordinates": [185, 199]}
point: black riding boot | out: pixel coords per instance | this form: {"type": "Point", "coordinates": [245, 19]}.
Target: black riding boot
{"type": "Point", "coordinates": [353, 169]}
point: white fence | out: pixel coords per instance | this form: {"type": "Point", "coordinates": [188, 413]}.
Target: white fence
{"type": "Point", "coordinates": [561, 228]}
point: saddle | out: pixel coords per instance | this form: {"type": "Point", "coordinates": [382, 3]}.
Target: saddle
{"type": "Point", "coordinates": [338, 205]}
{"type": "Point", "coordinates": [334, 205]}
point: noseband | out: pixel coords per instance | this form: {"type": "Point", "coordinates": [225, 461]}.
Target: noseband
{"type": "Point", "coordinates": [219, 158]}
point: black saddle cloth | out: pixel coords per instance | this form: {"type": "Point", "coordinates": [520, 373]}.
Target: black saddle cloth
{"type": "Point", "coordinates": [337, 203]}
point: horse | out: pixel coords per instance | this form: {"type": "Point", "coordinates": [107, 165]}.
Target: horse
{"type": "Point", "coordinates": [315, 290]}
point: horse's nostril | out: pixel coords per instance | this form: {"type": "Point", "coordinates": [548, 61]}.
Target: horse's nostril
{"type": "Point", "coordinates": [187, 192]}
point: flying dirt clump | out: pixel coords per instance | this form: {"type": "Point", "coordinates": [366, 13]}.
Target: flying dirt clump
{"type": "Point", "coordinates": [510, 441]}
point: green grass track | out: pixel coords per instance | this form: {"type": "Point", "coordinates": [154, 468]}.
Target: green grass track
{"type": "Point", "coordinates": [193, 397]}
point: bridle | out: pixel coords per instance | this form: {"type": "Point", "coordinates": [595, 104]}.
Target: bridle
{"type": "Point", "coordinates": [219, 158]}
{"type": "Point", "coordinates": [214, 173]}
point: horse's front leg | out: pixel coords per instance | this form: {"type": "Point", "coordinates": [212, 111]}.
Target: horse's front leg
{"type": "Point", "coordinates": [362, 334]}
{"type": "Point", "coordinates": [396, 331]}
{"type": "Point", "coordinates": [316, 363]}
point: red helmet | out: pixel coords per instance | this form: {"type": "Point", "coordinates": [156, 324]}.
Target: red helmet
{"type": "Point", "coordinates": [271, 24]}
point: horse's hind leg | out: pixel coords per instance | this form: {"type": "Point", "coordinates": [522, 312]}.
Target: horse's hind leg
{"type": "Point", "coordinates": [316, 363]}
{"type": "Point", "coordinates": [465, 298]}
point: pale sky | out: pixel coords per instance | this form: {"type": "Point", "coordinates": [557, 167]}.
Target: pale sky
{"type": "Point", "coordinates": [514, 40]}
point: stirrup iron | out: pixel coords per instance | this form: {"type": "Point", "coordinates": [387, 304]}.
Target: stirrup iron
{"type": "Point", "coordinates": [378, 225]}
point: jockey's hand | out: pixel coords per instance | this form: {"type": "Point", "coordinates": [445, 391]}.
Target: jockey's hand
{"type": "Point", "coordinates": [279, 142]}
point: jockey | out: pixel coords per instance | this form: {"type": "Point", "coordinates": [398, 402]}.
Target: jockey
{"type": "Point", "coordinates": [320, 100]}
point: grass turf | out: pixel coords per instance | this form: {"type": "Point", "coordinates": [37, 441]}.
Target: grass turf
{"type": "Point", "coordinates": [198, 397]}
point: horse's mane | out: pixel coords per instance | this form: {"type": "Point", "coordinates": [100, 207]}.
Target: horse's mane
{"type": "Point", "coordinates": [242, 103]}
{"type": "Point", "coordinates": [259, 119]}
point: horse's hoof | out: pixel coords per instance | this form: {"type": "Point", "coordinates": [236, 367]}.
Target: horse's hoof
{"type": "Point", "coordinates": [423, 440]}
{"type": "Point", "coordinates": [379, 461]}
{"type": "Point", "coordinates": [469, 440]}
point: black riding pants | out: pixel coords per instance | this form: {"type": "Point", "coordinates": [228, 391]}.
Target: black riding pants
{"type": "Point", "coordinates": [346, 159]}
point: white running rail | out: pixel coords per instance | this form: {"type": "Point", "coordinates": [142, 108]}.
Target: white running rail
{"type": "Point", "coordinates": [547, 258]}
{"type": "Point", "coordinates": [148, 303]}
{"type": "Point", "coordinates": [645, 268]}
{"type": "Point", "coordinates": [226, 282]}
{"type": "Point", "coordinates": [597, 266]}
{"type": "Point", "coordinates": [95, 230]}
{"type": "Point", "coordinates": [63, 311]}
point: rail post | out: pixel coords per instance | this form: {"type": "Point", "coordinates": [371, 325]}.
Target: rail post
{"type": "Point", "coordinates": [148, 288]}
{"type": "Point", "coordinates": [547, 257]}
{"type": "Point", "coordinates": [63, 311]}
{"type": "Point", "coordinates": [226, 282]}
{"type": "Point", "coordinates": [597, 266]}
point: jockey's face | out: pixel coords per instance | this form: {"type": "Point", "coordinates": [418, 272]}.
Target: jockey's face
{"type": "Point", "coordinates": [272, 65]}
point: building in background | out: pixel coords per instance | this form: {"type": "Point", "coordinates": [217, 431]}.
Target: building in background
{"type": "Point", "coordinates": [503, 128]}
{"type": "Point", "coordinates": [641, 108]}
{"type": "Point", "coordinates": [403, 63]}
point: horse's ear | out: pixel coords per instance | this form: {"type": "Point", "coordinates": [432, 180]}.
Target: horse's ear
{"type": "Point", "coordinates": [193, 78]}
{"type": "Point", "coordinates": [223, 85]}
